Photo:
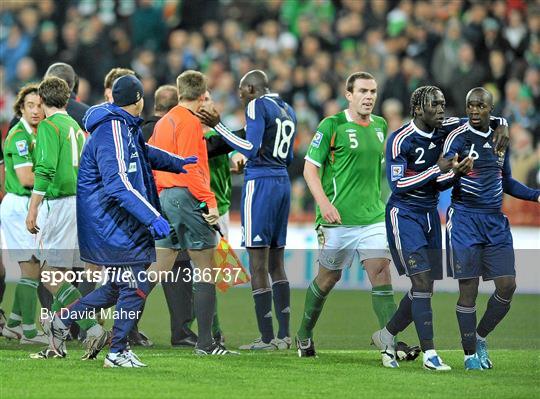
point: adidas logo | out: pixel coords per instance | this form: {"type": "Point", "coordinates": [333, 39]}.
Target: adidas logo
{"type": "Point", "coordinates": [257, 238]}
{"type": "Point", "coordinates": [268, 315]}
{"type": "Point", "coordinates": [487, 145]}
{"type": "Point", "coordinates": [431, 146]}
{"type": "Point", "coordinates": [286, 310]}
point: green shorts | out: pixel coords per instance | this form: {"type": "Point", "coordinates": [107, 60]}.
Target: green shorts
{"type": "Point", "coordinates": [189, 230]}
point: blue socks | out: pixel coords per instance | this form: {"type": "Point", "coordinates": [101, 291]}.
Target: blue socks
{"type": "Point", "coordinates": [423, 319]}
{"type": "Point", "coordinates": [466, 317]}
{"type": "Point", "coordinates": [263, 311]}
{"type": "Point", "coordinates": [281, 293]}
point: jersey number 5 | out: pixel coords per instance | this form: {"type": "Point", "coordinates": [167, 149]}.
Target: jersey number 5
{"type": "Point", "coordinates": [284, 134]}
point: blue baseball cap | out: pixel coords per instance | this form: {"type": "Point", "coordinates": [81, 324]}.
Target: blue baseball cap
{"type": "Point", "coordinates": [127, 90]}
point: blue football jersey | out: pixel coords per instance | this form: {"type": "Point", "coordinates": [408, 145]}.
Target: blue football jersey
{"type": "Point", "coordinates": [411, 164]}
{"type": "Point", "coordinates": [270, 134]}
{"type": "Point", "coordinates": [482, 189]}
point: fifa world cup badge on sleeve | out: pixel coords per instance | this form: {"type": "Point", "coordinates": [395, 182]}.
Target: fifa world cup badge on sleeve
{"type": "Point", "coordinates": [397, 172]}
{"type": "Point", "coordinates": [22, 147]}
{"type": "Point", "coordinates": [316, 142]}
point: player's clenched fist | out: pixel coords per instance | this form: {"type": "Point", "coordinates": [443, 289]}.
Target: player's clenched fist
{"type": "Point", "coordinates": [330, 213]}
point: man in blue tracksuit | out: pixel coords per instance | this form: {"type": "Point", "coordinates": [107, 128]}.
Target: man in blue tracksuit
{"type": "Point", "coordinates": [118, 215]}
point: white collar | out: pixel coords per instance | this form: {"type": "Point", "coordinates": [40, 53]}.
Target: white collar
{"type": "Point", "coordinates": [27, 126]}
{"type": "Point", "coordinates": [421, 132]}
{"type": "Point", "coordinates": [478, 132]}
{"type": "Point", "coordinates": [58, 112]}
{"type": "Point", "coordinates": [350, 119]}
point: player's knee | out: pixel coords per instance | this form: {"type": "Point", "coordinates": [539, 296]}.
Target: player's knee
{"type": "Point", "coordinates": [328, 281]}
{"type": "Point", "coordinates": [507, 289]}
{"type": "Point", "coordinates": [421, 283]}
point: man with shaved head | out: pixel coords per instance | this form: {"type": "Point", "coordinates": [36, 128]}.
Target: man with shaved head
{"type": "Point", "coordinates": [479, 241]}
{"type": "Point", "coordinates": [268, 146]}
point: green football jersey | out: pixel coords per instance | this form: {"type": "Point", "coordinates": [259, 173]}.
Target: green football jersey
{"type": "Point", "coordinates": [220, 179]}
{"type": "Point", "coordinates": [18, 152]}
{"type": "Point", "coordinates": [58, 150]}
{"type": "Point", "coordinates": [349, 157]}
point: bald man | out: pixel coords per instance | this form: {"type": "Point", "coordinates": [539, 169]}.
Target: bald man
{"type": "Point", "coordinates": [268, 146]}
{"type": "Point", "coordinates": [479, 241]}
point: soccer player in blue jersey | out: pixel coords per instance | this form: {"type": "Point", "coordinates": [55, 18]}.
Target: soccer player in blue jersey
{"type": "Point", "coordinates": [270, 132]}
{"type": "Point", "coordinates": [416, 172]}
{"type": "Point", "coordinates": [478, 237]}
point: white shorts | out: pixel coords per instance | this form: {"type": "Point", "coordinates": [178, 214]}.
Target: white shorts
{"type": "Point", "coordinates": [339, 245]}
{"type": "Point", "coordinates": [17, 242]}
{"type": "Point", "coordinates": [59, 245]}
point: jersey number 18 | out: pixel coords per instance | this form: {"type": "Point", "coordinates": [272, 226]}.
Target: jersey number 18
{"type": "Point", "coordinates": [284, 134]}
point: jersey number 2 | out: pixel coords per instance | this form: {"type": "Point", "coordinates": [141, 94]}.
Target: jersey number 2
{"type": "Point", "coordinates": [284, 134]}
{"type": "Point", "coordinates": [420, 160]}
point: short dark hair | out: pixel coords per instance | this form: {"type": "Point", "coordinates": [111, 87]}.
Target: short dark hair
{"type": "Point", "coordinates": [63, 71]}
{"type": "Point", "coordinates": [349, 84]}
{"type": "Point", "coordinates": [54, 92]}
{"type": "Point", "coordinates": [165, 98]}
{"type": "Point", "coordinates": [191, 85]}
{"type": "Point", "coordinates": [21, 95]}
{"type": "Point", "coordinates": [114, 74]}
{"type": "Point", "coordinates": [419, 97]}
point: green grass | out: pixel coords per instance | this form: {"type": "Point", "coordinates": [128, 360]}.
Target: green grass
{"type": "Point", "coordinates": [346, 366]}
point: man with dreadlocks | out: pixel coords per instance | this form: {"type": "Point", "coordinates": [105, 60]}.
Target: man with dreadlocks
{"type": "Point", "coordinates": [416, 172]}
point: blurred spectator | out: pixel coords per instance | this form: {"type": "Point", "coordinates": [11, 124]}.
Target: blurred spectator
{"type": "Point", "coordinates": [445, 58]}
{"type": "Point", "coordinates": [12, 49]}
{"type": "Point", "coordinates": [467, 74]}
{"type": "Point", "coordinates": [45, 49]}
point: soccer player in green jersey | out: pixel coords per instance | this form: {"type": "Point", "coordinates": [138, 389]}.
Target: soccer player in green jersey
{"type": "Point", "coordinates": [51, 213]}
{"type": "Point", "coordinates": [18, 242]}
{"type": "Point", "coordinates": [343, 173]}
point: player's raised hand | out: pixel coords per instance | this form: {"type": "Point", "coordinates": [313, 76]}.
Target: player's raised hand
{"type": "Point", "coordinates": [501, 138]}
{"type": "Point", "coordinates": [446, 164]}
{"type": "Point", "coordinates": [188, 161]}
{"type": "Point", "coordinates": [330, 213]}
{"type": "Point", "coordinates": [464, 167]}
{"type": "Point", "coordinates": [208, 115]}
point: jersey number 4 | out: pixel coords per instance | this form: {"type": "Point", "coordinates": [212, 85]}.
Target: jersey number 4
{"type": "Point", "coordinates": [284, 134]}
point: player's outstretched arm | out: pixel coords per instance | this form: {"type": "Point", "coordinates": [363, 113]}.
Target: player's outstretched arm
{"type": "Point", "coordinates": [110, 155]}
{"type": "Point", "coordinates": [515, 188]}
{"type": "Point", "coordinates": [328, 211]}
{"type": "Point", "coordinates": [396, 168]}
{"type": "Point", "coordinates": [166, 161]}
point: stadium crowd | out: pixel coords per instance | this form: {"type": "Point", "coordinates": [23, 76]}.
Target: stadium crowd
{"type": "Point", "coordinates": [307, 47]}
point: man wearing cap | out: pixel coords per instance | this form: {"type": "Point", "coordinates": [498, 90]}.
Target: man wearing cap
{"type": "Point", "coordinates": [118, 215]}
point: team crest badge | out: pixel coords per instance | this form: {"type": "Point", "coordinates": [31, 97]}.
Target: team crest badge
{"type": "Point", "coordinates": [380, 135]}
{"type": "Point", "coordinates": [397, 172]}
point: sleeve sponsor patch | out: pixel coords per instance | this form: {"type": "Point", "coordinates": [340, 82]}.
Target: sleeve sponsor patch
{"type": "Point", "coordinates": [22, 147]}
{"type": "Point", "coordinates": [397, 172]}
{"type": "Point", "coordinates": [316, 142]}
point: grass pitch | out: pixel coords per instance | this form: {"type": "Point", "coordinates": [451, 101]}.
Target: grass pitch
{"type": "Point", "coordinates": [346, 367]}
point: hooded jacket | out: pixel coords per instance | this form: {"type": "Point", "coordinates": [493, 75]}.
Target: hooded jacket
{"type": "Point", "coordinates": [116, 194]}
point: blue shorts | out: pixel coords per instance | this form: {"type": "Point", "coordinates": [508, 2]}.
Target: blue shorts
{"type": "Point", "coordinates": [415, 241]}
{"type": "Point", "coordinates": [478, 244]}
{"type": "Point", "coordinates": [265, 212]}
